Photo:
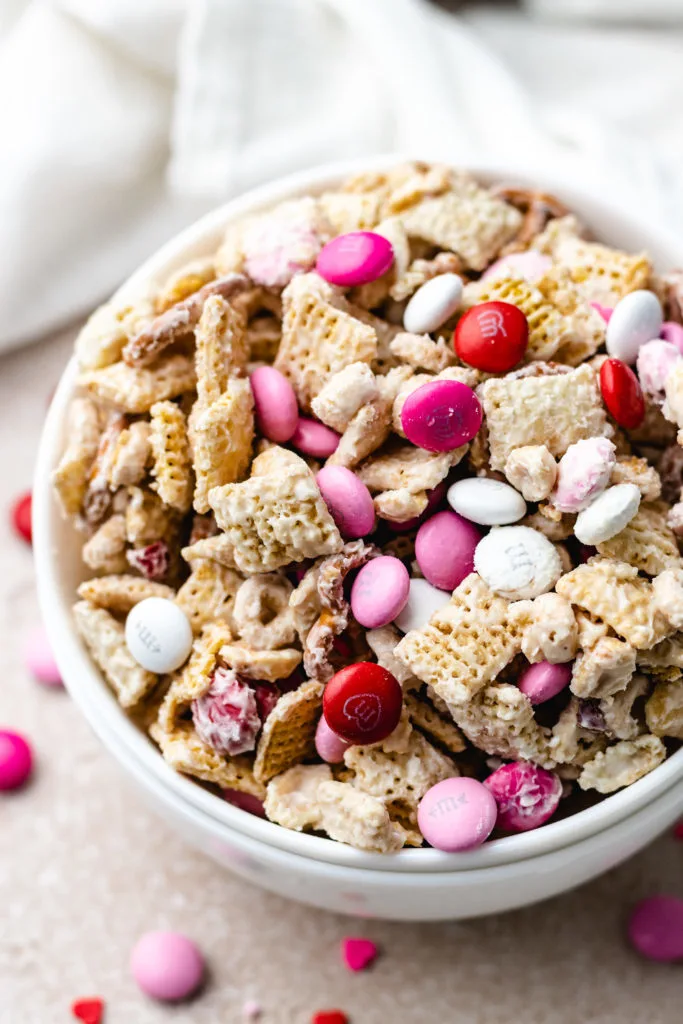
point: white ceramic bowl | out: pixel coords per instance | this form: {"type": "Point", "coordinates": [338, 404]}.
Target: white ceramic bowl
{"type": "Point", "coordinates": [413, 884]}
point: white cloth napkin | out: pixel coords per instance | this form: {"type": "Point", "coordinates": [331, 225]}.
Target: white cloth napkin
{"type": "Point", "coordinates": [123, 120]}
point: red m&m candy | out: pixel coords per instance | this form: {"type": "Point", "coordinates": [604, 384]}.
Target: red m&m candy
{"type": "Point", "coordinates": [21, 516]}
{"type": "Point", "coordinates": [622, 394]}
{"type": "Point", "coordinates": [362, 703]}
{"type": "Point", "coordinates": [492, 336]}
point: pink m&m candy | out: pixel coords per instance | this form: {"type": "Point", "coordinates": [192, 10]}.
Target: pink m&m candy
{"type": "Point", "coordinates": [330, 747]}
{"type": "Point", "coordinates": [348, 499]}
{"type": "Point", "coordinates": [167, 965]}
{"type": "Point", "coordinates": [673, 332]}
{"type": "Point", "coordinates": [457, 814]}
{"type": "Point", "coordinates": [655, 928]}
{"type": "Point", "coordinates": [313, 438]}
{"type": "Point", "coordinates": [380, 592]}
{"type": "Point", "coordinates": [40, 660]}
{"type": "Point", "coordinates": [544, 680]}
{"type": "Point", "coordinates": [444, 549]}
{"type": "Point", "coordinates": [441, 415]}
{"type": "Point", "coordinates": [531, 265]}
{"type": "Point", "coordinates": [277, 412]}
{"type": "Point", "coordinates": [355, 258]}
{"type": "Point", "coordinates": [526, 795]}
{"type": "Point", "coordinates": [244, 801]}
{"type": "Point", "coordinates": [16, 760]}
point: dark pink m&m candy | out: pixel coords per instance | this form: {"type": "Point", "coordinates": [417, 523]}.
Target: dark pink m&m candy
{"type": "Point", "coordinates": [355, 258]}
{"type": "Point", "coordinates": [362, 703]}
{"type": "Point", "coordinates": [441, 415]}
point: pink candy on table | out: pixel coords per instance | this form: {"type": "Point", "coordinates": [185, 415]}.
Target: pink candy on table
{"type": "Point", "coordinates": [380, 592]}
{"type": "Point", "coordinates": [654, 363]}
{"type": "Point", "coordinates": [542, 681]}
{"type": "Point", "coordinates": [277, 412]}
{"type": "Point", "coordinates": [314, 438]}
{"type": "Point", "coordinates": [39, 659]}
{"type": "Point", "coordinates": [16, 760]}
{"type": "Point", "coordinates": [358, 953]}
{"type": "Point", "coordinates": [673, 332]}
{"type": "Point", "coordinates": [167, 965]}
{"type": "Point", "coordinates": [330, 747]}
{"type": "Point", "coordinates": [526, 795]}
{"type": "Point", "coordinates": [444, 549]}
{"type": "Point", "coordinates": [604, 311]}
{"type": "Point", "coordinates": [531, 265]}
{"type": "Point", "coordinates": [244, 801]}
{"type": "Point", "coordinates": [457, 814]}
{"type": "Point", "coordinates": [582, 473]}
{"type": "Point", "coordinates": [441, 415]}
{"type": "Point", "coordinates": [655, 928]}
{"type": "Point", "coordinates": [355, 258]}
{"type": "Point", "coordinates": [348, 500]}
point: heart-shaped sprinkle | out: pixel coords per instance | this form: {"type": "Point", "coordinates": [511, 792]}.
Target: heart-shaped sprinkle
{"type": "Point", "coordinates": [329, 1017]}
{"type": "Point", "coordinates": [678, 830]}
{"type": "Point", "coordinates": [358, 953]}
{"type": "Point", "coordinates": [90, 1011]}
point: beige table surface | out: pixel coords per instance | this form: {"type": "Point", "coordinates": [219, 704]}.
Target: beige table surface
{"type": "Point", "coordinates": [85, 868]}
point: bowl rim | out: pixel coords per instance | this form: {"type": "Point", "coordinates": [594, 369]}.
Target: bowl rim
{"type": "Point", "coordinates": [86, 684]}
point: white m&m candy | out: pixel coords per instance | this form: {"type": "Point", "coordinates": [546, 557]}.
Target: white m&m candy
{"type": "Point", "coordinates": [433, 304]}
{"type": "Point", "coordinates": [158, 635]}
{"type": "Point", "coordinates": [517, 562]}
{"type": "Point", "coordinates": [636, 318]}
{"type": "Point", "coordinates": [608, 515]}
{"type": "Point", "coordinates": [486, 501]}
{"type": "Point", "coordinates": [423, 601]}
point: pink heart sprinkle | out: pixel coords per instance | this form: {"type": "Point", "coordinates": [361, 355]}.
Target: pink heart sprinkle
{"type": "Point", "coordinates": [358, 953]}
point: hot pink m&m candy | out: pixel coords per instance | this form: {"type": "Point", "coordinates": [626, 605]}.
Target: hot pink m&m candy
{"type": "Point", "coordinates": [313, 438]}
{"type": "Point", "coordinates": [330, 747]}
{"type": "Point", "coordinates": [526, 795]}
{"type": "Point", "coordinates": [441, 415]}
{"type": "Point", "coordinates": [457, 814]}
{"type": "Point", "coordinates": [673, 332]}
{"type": "Point", "coordinates": [40, 660]}
{"type": "Point", "coordinates": [380, 592]}
{"type": "Point", "coordinates": [348, 499]}
{"type": "Point", "coordinates": [355, 258]}
{"type": "Point", "coordinates": [655, 928]}
{"type": "Point", "coordinates": [277, 412]}
{"type": "Point", "coordinates": [362, 703]}
{"type": "Point", "coordinates": [444, 549]}
{"type": "Point", "coordinates": [16, 760]}
{"type": "Point", "coordinates": [167, 965]}
{"type": "Point", "coordinates": [542, 681]}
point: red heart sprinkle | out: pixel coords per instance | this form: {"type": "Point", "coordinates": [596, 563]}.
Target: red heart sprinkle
{"type": "Point", "coordinates": [329, 1017]}
{"type": "Point", "coordinates": [21, 516]}
{"type": "Point", "coordinates": [90, 1011]}
{"type": "Point", "coordinates": [678, 830]}
{"type": "Point", "coordinates": [358, 953]}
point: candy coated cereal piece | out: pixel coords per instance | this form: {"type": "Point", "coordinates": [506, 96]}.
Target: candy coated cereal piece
{"type": "Point", "coordinates": [227, 717]}
{"type": "Point", "coordinates": [457, 814]}
{"type": "Point", "coordinates": [167, 965]}
{"type": "Point", "coordinates": [432, 304]}
{"type": "Point", "coordinates": [330, 747]}
{"type": "Point", "coordinates": [655, 928]}
{"type": "Point", "coordinates": [492, 336]}
{"type": "Point", "coordinates": [423, 601]}
{"type": "Point", "coordinates": [444, 549]}
{"type": "Point", "coordinates": [531, 265]}
{"type": "Point", "coordinates": [21, 517]}
{"type": "Point", "coordinates": [526, 795]}
{"type": "Point", "coordinates": [277, 412]}
{"type": "Point", "coordinates": [485, 501]}
{"type": "Point", "coordinates": [380, 592]}
{"type": "Point", "coordinates": [636, 318]}
{"type": "Point", "coordinates": [362, 703]}
{"type": "Point", "coordinates": [604, 311]}
{"type": "Point", "coordinates": [517, 562]}
{"type": "Point", "coordinates": [244, 801]}
{"type": "Point", "coordinates": [40, 660]}
{"type": "Point", "coordinates": [314, 438]}
{"type": "Point", "coordinates": [358, 954]}
{"type": "Point", "coordinates": [608, 514]}
{"type": "Point", "coordinates": [16, 760]}
{"type": "Point", "coordinates": [656, 360]}
{"type": "Point", "coordinates": [348, 500]}
{"type": "Point", "coordinates": [441, 415]}
{"type": "Point", "coordinates": [583, 472]}
{"type": "Point", "coordinates": [542, 681]}
{"type": "Point", "coordinates": [329, 1017]}
{"type": "Point", "coordinates": [158, 635]}
{"type": "Point", "coordinates": [672, 332]}
{"type": "Point", "coordinates": [622, 393]}
{"type": "Point", "coordinates": [355, 258]}
{"type": "Point", "coordinates": [89, 1011]}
